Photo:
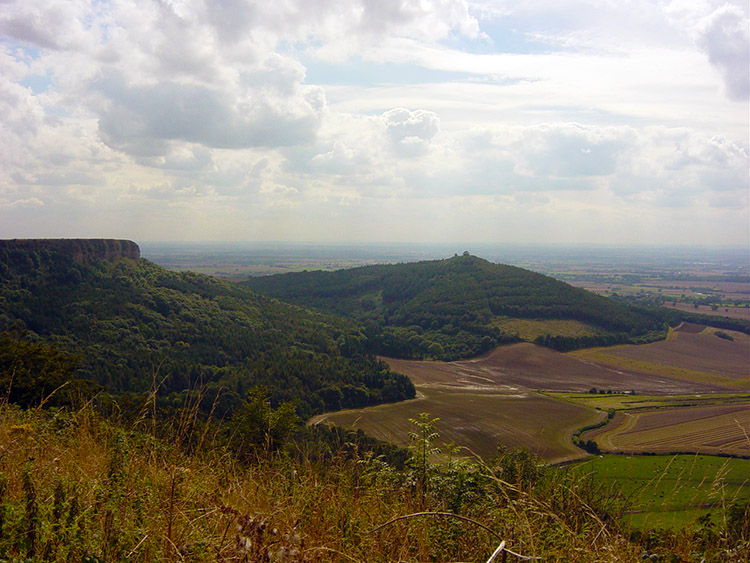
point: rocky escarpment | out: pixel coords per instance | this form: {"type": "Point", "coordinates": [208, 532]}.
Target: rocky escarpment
{"type": "Point", "coordinates": [82, 251]}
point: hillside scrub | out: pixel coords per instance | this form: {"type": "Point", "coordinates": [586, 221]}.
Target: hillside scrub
{"type": "Point", "coordinates": [77, 487]}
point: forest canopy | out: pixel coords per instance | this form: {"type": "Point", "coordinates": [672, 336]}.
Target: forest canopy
{"type": "Point", "coordinates": [448, 309]}
{"type": "Point", "coordinates": [137, 326]}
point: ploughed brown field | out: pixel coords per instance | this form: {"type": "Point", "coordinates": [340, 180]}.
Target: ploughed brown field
{"type": "Point", "coordinates": [497, 399]}
{"type": "Point", "coordinates": [530, 366]}
{"type": "Point", "coordinates": [717, 429]}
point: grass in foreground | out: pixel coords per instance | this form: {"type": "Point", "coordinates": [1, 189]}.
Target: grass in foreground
{"type": "Point", "coordinates": [77, 488]}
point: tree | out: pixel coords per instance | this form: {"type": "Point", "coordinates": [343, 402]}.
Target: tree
{"type": "Point", "coordinates": [260, 429]}
{"type": "Point", "coordinates": [34, 373]}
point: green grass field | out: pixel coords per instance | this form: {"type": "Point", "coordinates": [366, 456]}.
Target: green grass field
{"type": "Point", "coordinates": [625, 401]}
{"type": "Point", "coordinates": [672, 491]}
{"type": "Point", "coordinates": [529, 329]}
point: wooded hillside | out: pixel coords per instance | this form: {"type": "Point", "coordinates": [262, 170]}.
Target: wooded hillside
{"type": "Point", "coordinates": [138, 326]}
{"type": "Point", "coordinates": [449, 309]}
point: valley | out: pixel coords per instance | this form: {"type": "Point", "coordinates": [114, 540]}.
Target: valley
{"type": "Point", "coordinates": [495, 364]}
{"type": "Point", "coordinates": [513, 391]}
{"type": "Point", "coordinates": [522, 394]}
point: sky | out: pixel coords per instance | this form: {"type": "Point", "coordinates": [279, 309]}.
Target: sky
{"type": "Point", "coordinates": [503, 121]}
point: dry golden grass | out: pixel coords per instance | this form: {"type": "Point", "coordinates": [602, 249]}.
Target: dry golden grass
{"type": "Point", "coordinates": [74, 487]}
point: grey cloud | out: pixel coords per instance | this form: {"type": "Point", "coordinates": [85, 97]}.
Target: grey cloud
{"type": "Point", "coordinates": [379, 17]}
{"type": "Point", "coordinates": [276, 73]}
{"type": "Point", "coordinates": [177, 189]}
{"type": "Point", "coordinates": [139, 119]}
{"type": "Point", "coordinates": [21, 203]}
{"type": "Point", "coordinates": [729, 200]}
{"type": "Point", "coordinates": [666, 199]}
{"type": "Point", "coordinates": [231, 18]}
{"type": "Point", "coordinates": [725, 39]}
{"type": "Point", "coordinates": [569, 151]}
{"type": "Point", "coordinates": [28, 31]}
{"type": "Point", "coordinates": [66, 178]}
{"type": "Point", "coordinates": [337, 29]}
{"type": "Point", "coordinates": [716, 164]}
{"type": "Point", "coordinates": [48, 24]}
{"type": "Point", "coordinates": [490, 172]}
{"type": "Point", "coordinates": [20, 113]}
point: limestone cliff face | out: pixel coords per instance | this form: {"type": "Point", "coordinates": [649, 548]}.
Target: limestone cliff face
{"type": "Point", "coordinates": [83, 251]}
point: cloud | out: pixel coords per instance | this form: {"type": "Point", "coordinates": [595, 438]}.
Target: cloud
{"type": "Point", "coordinates": [425, 20]}
{"type": "Point", "coordinates": [341, 159]}
{"type": "Point", "coordinates": [722, 31]}
{"type": "Point", "coordinates": [569, 150]}
{"type": "Point", "coordinates": [64, 178]}
{"type": "Point", "coordinates": [181, 158]}
{"type": "Point", "coordinates": [140, 118]}
{"type": "Point", "coordinates": [190, 118]}
{"type": "Point", "coordinates": [338, 29]}
{"type": "Point", "coordinates": [48, 24]}
{"type": "Point", "coordinates": [724, 36]}
{"type": "Point", "coordinates": [21, 203]}
{"type": "Point", "coordinates": [411, 131]}
{"type": "Point", "coordinates": [170, 192]}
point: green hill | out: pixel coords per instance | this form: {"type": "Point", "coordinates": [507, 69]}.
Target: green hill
{"type": "Point", "coordinates": [137, 326]}
{"type": "Point", "coordinates": [455, 308]}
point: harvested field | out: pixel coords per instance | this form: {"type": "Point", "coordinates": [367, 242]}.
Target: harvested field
{"type": "Point", "coordinates": [691, 354]}
{"type": "Point", "coordinates": [493, 399]}
{"type": "Point", "coordinates": [730, 288]}
{"type": "Point", "coordinates": [689, 328]}
{"type": "Point", "coordinates": [713, 429]}
{"type": "Point", "coordinates": [529, 366]}
{"type": "Point", "coordinates": [478, 419]}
